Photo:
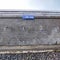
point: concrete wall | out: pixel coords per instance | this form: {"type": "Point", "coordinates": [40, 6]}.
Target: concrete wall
{"type": "Point", "coordinates": [23, 32]}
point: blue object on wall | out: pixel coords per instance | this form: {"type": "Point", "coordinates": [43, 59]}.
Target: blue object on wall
{"type": "Point", "coordinates": [28, 17]}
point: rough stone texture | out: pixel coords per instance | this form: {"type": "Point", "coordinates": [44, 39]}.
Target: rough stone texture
{"type": "Point", "coordinates": [25, 32]}
{"type": "Point", "coordinates": [31, 56]}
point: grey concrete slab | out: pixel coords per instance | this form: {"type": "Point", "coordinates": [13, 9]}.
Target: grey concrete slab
{"type": "Point", "coordinates": [25, 32]}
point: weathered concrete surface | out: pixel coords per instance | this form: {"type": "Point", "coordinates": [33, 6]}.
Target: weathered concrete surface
{"type": "Point", "coordinates": [23, 32]}
{"type": "Point", "coordinates": [29, 48]}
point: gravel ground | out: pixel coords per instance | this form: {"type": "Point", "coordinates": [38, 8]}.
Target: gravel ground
{"type": "Point", "coordinates": [25, 32]}
{"type": "Point", "coordinates": [31, 56]}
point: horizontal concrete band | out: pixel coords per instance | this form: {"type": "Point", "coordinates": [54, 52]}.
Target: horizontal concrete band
{"type": "Point", "coordinates": [27, 49]}
{"type": "Point", "coordinates": [30, 47]}
{"type": "Point", "coordinates": [37, 14]}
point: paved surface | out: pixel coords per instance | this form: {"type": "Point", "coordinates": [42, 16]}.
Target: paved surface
{"type": "Point", "coordinates": [31, 56]}
{"type": "Point", "coordinates": [22, 32]}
